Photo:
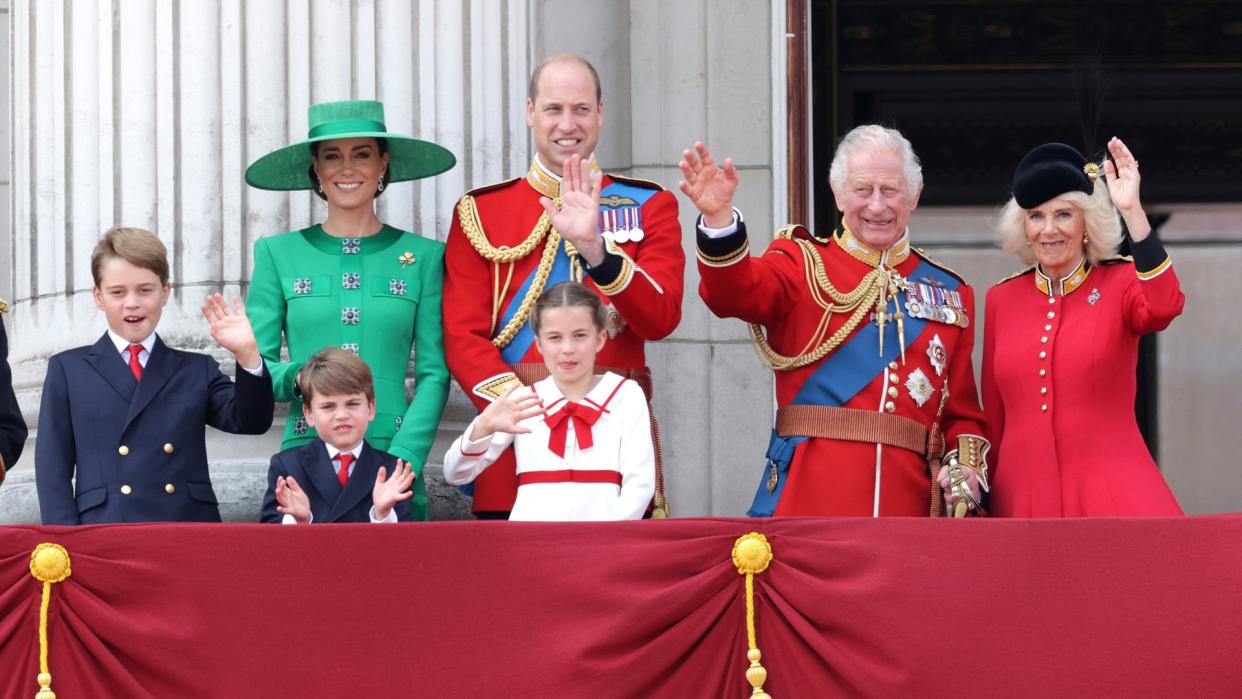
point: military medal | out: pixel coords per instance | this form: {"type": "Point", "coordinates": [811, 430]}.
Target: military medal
{"type": "Point", "coordinates": [623, 227]}
{"type": "Point", "coordinates": [929, 300]}
{"type": "Point", "coordinates": [606, 225]}
{"type": "Point", "coordinates": [937, 354]}
{"type": "Point", "coordinates": [636, 230]}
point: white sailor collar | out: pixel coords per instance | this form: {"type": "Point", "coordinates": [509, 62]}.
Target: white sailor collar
{"type": "Point", "coordinates": [598, 397]}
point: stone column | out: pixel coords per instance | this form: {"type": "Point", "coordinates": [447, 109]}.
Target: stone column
{"type": "Point", "coordinates": [147, 113]}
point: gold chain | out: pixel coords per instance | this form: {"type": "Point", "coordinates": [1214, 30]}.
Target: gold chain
{"type": "Point", "coordinates": [859, 300]}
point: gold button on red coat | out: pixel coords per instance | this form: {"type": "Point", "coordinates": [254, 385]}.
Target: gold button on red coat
{"type": "Point", "coordinates": [1043, 408]}
{"type": "Point", "coordinates": [1043, 355]}
{"type": "Point", "coordinates": [892, 391]}
{"type": "Point", "coordinates": [889, 406]}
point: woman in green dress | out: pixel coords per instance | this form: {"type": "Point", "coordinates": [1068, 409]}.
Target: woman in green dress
{"type": "Point", "coordinates": [352, 281]}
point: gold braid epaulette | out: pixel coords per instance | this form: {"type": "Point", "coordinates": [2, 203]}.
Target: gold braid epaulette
{"type": "Point", "coordinates": [860, 300]}
{"type": "Point", "coordinates": [468, 214]}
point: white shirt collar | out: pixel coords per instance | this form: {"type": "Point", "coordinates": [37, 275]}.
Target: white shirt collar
{"type": "Point", "coordinates": [333, 451]}
{"type": "Point", "coordinates": [122, 345]}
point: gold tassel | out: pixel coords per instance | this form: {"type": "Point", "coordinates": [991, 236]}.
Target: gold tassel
{"type": "Point", "coordinates": [751, 554]}
{"type": "Point", "coordinates": [49, 563]}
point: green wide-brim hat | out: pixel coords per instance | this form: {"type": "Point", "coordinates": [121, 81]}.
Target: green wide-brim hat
{"type": "Point", "coordinates": [408, 158]}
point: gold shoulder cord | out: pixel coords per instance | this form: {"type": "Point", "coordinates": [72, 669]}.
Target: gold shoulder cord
{"type": "Point", "coordinates": [468, 214]}
{"type": "Point", "coordinates": [859, 300]}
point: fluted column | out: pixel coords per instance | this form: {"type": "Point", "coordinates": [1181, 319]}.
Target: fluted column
{"type": "Point", "coordinates": [147, 112]}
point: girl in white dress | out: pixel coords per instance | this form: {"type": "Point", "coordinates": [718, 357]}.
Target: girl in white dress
{"type": "Point", "coordinates": [582, 441]}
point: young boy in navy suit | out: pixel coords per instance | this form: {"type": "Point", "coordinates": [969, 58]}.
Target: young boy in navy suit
{"type": "Point", "coordinates": [337, 477]}
{"type": "Point", "coordinates": [122, 424]}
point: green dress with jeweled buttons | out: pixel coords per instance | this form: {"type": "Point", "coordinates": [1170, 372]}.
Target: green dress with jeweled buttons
{"type": "Point", "coordinates": [378, 297]}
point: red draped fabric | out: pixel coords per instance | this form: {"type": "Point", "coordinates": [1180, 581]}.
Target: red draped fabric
{"type": "Point", "coordinates": [849, 607]}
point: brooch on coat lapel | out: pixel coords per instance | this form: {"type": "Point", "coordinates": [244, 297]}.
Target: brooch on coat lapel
{"type": "Point", "coordinates": [1093, 296]}
{"type": "Point", "coordinates": [928, 299]}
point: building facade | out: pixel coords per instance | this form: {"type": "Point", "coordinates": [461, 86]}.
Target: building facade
{"type": "Point", "coordinates": [147, 113]}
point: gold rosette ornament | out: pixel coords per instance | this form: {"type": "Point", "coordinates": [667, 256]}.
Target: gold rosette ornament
{"type": "Point", "coordinates": [751, 554]}
{"type": "Point", "coordinates": [49, 563]}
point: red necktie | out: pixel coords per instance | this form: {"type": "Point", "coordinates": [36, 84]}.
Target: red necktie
{"type": "Point", "coordinates": [135, 365]}
{"type": "Point", "coordinates": [583, 416]}
{"type": "Point", "coordinates": [343, 474]}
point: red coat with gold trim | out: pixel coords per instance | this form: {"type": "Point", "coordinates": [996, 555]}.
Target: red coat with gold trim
{"type": "Point", "coordinates": [823, 476]}
{"type": "Point", "coordinates": [643, 285]}
{"type": "Point", "coordinates": [1059, 382]}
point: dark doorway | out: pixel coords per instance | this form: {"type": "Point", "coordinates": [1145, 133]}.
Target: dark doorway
{"type": "Point", "coordinates": [974, 85]}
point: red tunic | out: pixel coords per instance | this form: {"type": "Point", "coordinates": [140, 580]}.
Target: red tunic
{"type": "Point", "coordinates": [830, 476]}
{"type": "Point", "coordinates": [1065, 442]}
{"type": "Point", "coordinates": [645, 292]}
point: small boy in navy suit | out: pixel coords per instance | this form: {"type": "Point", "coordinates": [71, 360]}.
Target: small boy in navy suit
{"type": "Point", "coordinates": [122, 424]}
{"type": "Point", "coordinates": [330, 478]}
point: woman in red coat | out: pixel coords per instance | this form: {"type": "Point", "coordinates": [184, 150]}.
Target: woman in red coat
{"type": "Point", "coordinates": [1061, 341]}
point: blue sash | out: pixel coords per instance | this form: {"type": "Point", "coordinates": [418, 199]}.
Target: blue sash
{"type": "Point", "coordinates": [841, 376]}
{"type": "Point", "coordinates": [517, 348]}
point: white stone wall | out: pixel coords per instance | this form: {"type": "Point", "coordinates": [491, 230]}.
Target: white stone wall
{"type": "Point", "coordinates": [147, 113]}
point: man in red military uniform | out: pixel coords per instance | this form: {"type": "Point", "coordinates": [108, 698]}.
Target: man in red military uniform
{"type": "Point", "coordinates": [512, 240]}
{"type": "Point", "coordinates": [870, 341]}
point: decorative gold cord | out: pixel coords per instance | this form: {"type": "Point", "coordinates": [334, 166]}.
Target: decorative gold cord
{"type": "Point", "coordinates": [468, 214]}
{"type": "Point", "coordinates": [859, 301]}
{"type": "Point", "coordinates": [49, 563]}
{"type": "Point", "coordinates": [752, 554]}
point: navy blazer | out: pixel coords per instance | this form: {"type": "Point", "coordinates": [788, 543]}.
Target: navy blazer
{"type": "Point", "coordinates": [12, 424]}
{"type": "Point", "coordinates": [312, 469]}
{"type": "Point", "coordinates": [138, 447]}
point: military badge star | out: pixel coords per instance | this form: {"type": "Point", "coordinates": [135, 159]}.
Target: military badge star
{"type": "Point", "coordinates": [919, 386]}
{"type": "Point", "coordinates": [937, 354]}
{"type": "Point", "coordinates": [615, 322]}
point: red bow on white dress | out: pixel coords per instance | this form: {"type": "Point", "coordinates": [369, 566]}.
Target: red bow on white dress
{"type": "Point", "coordinates": [583, 416]}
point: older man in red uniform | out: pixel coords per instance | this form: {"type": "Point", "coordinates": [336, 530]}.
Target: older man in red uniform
{"type": "Point", "coordinates": [512, 240]}
{"type": "Point", "coordinates": [869, 338]}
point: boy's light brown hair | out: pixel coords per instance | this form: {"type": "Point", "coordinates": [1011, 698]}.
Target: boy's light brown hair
{"type": "Point", "coordinates": [333, 371]}
{"type": "Point", "coordinates": [137, 246]}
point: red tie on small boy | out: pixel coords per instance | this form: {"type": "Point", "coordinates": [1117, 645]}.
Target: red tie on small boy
{"type": "Point", "coordinates": [343, 474]}
{"type": "Point", "coordinates": [583, 416]}
{"type": "Point", "coordinates": [135, 365]}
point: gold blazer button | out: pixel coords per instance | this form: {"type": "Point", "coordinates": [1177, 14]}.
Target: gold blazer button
{"type": "Point", "coordinates": [123, 451]}
{"type": "Point", "coordinates": [168, 448]}
{"type": "Point", "coordinates": [170, 488]}
{"type": "Point", "coordinates": [126, 490]}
